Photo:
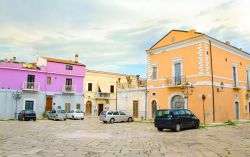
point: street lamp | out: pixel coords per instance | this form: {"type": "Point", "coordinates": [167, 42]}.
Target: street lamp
{"type": "Point", "coordinates": [187, 90]}
{"type": "Point", "coordinates": [17, 95]}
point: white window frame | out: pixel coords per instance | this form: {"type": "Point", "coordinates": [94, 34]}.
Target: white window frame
{"type": "Point", "coordinates": [175, 61]}
{"type": "Point", "coordinates": [236, 72]}
{"type": "Point", "coordinates": [152, 67]}
{"type": "Point", "coordinates": [29, 99]}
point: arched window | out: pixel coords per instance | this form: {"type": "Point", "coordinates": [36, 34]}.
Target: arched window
{"type": "Point", "coordinates": [154, 108]}
{"type": "Point", "coordinates": [177, 102]}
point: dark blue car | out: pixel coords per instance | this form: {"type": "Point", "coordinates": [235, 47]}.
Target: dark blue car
{"type": "Point", "coordinates": [27, 115]}
{"type": "Point", "coordinates": [175, 119]}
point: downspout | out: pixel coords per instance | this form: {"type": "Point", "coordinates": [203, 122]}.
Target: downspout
{"type": "Point", "coordinates": [212, 77]}
{"type": "Point", "coordinates": [146, 99]}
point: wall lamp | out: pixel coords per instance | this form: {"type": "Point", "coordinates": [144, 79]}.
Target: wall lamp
{"type": "Point", "coordinates": [220, 89]}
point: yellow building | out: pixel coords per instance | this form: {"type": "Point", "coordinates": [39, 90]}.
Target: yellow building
{"type": "Point", "coordinates": [187, 69]}
{"type": "Point", "coordinates": [100, 91]}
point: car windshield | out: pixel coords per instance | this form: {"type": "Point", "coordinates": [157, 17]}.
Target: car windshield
{"type": "Point", "coordinates": [79, 112]}
{"type": "Point", "coordinates": [162, 114]}
{"type": "Point", "coordinates": [60, 111]}
{"type": "Point", "coordinates": [103, 112]}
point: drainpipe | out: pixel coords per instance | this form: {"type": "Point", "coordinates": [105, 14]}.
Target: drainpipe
{"type": "Point", "coordinates": [212, 77]}
{"type": "Point", "coordinates": [146, 100]}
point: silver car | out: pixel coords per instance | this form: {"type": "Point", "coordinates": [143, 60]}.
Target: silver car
{"type": "Point", "coordinates": [57, 115]}
{"type": "Point", "coordinates": [115, 116]}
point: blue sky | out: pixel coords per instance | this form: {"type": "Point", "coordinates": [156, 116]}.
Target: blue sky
{"type": "Point", "coordinates": [112, 35]}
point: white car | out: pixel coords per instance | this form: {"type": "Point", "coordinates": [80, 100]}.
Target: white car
{"type": "Point", "coordinates": [115, 116]}
{"type": "Point", "coordinates": [75, 114]}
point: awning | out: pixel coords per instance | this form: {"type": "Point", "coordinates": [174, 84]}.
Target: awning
{"type": "Point", "coordinates": [104, 86]}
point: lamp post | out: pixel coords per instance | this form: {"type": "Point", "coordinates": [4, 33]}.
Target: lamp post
{"type": "Point", "coordinates": [17, 95]}
{"type": "Point", "coordinates": [187, 90]}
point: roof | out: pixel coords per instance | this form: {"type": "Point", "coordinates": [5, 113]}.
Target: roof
{"type": "Point", "coordinates": [56, 60]}
{"type": "Point", "coordinates": [111, 73]}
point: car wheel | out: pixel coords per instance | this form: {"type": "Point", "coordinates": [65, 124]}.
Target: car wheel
{"type": "Point", "coordinates": [54, 118]}
{"type": "Point", "coordinates": [64, 119]}
{"type": "Point", "coordinates": [196, 125]}
{"type": "Point", "coordinates": [34, 119]}
{"type": "Point", "coordinates": [82, 118]}
{"type": "Point", "coordinates": [130, 119]}
{"type": "Point", "coordinates": [112, 120]}
{"type": "Point", "coordinates": [177, 127]}
{"type": "Point", "coordinates": [72, 117]}
{"type": "Point", "coordinates": [104, 121]}
{"type": "Point", "coordinates": [160, 129]}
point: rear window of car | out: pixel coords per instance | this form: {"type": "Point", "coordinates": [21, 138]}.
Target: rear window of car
{"type": "Point", "coordinates": [60, 111]}
{"type": "Point", "coordinates": [122, 113]}
{"type": "Point", "coordinates": [182, 112]}
{"type": "Point", "coordinates": [79, 112]}
{"type": "Point", "coordinates": [162, 114]}
{"type": "Point", "coordinates": [29, 111]}
{"type": "Point", "coordinates": [103, 113]}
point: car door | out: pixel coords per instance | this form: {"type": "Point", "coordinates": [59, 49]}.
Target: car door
{"type": "Point", "coordinates": [116, 116]}
{"type": "Point", "coordinates": [123, 117]}
{"type": "Point", "coordinates": [189, 117]}
{"type": "Point", "coordinates": [183, 119]}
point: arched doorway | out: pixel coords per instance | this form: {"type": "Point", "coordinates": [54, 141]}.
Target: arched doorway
{"type": "Point", "coordinates": [177, 101]}
{"type": "Point", "coordinates": [88, 108]}
{"type": "Point", "coordinates": [154, 108]}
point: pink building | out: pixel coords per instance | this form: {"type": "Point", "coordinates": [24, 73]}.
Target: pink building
{"type": "Point", "coordinates": [42, 86]}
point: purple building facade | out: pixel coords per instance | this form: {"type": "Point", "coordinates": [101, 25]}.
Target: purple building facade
{"type": "Point", "coordinates": [42, 86]}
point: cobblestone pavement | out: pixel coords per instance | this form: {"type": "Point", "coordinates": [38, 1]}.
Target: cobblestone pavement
{"type": "Point", "coordinates": [91, 137]}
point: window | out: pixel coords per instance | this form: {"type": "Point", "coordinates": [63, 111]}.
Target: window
{"type": "Point", "coordinates": [112, 88]}
{"type": "Point", "coordinates": [163, 114]}
{"type": "Point", "coordinates": [248, 79]}
{"type": "Point", "coordinates": [68, 86]}
{"type": "Point", "coordinates": [235, 81]}
{"type": "Point", "coordinates": [177, 73]}
{"type": "Point", "coordinates": [90, 87]}
{"type": "Point", "coordinates": [154, 73]}
{"type": "Point", "coordinates": [69, 67]}
{"type": "Point", "coordinates": [29, 105]}
{"type": "Point", "coordinates": [122, 113]}
{"type": "Point", "coordinates": [116, 113]}
{"type": "Point", "coordinates": [78, 106]}
{"type": "Point", "coordinates": [110, 113]}
{"type": "Point", "coordinates": [182, 112]}
{"type": "Point", "coordinates": [48, 80]}
{"type": "Point", "coordinates": [189, 113]}
{"type": "Point", "coordinates": [31, 82]}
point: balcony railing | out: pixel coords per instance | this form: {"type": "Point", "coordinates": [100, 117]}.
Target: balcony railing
{"type": "Point", "coordinates": [176, 81]}
{"type": "Point", "coordinates": [100, 95]}
{"type": "Point", "coordinates": [69, 89]}
{"type": "Point", "coordinates": [31, 86]}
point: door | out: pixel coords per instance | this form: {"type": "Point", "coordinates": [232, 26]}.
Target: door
{"type": "Point", "coordinates": [67, 107]}
{"type": "Point", "coordinates": [154, 108]}
{"type": "Point", "coordinates": [29, 105]}
{"type": "Point", "coordinates": [100, 108]}
{"type": "Point", "coordinates": [30, 81]}
{"type": "Point", "coordinates": [135, 108]}
{"type": "Point", "coordinates": [68, 84]}
{"type": "Point", "coordinates": [237, 110]}
{"type": "Point", "coordinates": [48, 104]}
{"type": "Point", "coordinates": [88, 108]}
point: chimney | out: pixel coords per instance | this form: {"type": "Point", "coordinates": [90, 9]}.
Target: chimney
{"type": "Point", "coordinates": [228, 43]}
{"type": "Point", "coordinates": [192, 32]}
{"type": "Point", "coordinates": [76, 58]}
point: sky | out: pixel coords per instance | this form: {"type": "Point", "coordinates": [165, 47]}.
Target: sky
{"type": "Point", "coordinates": [112, 35]}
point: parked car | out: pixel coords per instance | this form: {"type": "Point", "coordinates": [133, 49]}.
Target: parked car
{"type": "Point", "coordinates": [115, 116]}
{"type": "Point", "coordinates": [57, 115]}
{"type": "Point", "coordinates": [27, 115]}
{"type": "Point", "coordinates": [175, 119]}
{"type": "Point", "coordinates": [75, 114]}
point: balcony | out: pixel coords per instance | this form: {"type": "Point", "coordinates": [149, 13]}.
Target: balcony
{"type": "Point", "coordinates": [100, 95]}
{"type": "Point", "coordinates": [176, 81]}
{"type": "Point", "coordinates": [69, 89]}
{"type": "Point", "coordinates": [31, 86]}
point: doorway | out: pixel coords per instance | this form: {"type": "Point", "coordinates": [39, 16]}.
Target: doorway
{"type": "Point", "coordinates": [48, 104]}
{"type": "Point", "coordinates": [100, 108]}
{"type": "Point", "coordinates": [237, 110]}
{"type": "Point", "coordinates": [29, 105]}
{"type": "Point", "coordinates": [154, 108]}
{"type": "Point", "coordinates": [135, 108]}
{"type": "Point", "coordinates": [67, 107]}
{"type": "Point", "coordinates": [88, 108]}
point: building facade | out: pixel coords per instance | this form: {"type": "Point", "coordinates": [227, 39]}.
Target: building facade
{"type": "Point", "coordinates": [187, 69]}
{"type": "Point", "coordinates": [100, 91]}
{"type": "Point", "coordinates": [42, 86]}
{"type": "Point", "coordinates": [131, 97]}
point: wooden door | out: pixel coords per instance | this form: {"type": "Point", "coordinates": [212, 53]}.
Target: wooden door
{"type": "Point", "coordinates": [48, 104]}
{"type": "Point", "coordinates": [88, 108]}
{"type": "Point", "coordinates": [100, 108]}
{"type": "Point", "coordinates": [67, 107]}
{"type": "Point", "coordinates": [135, 108]}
